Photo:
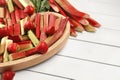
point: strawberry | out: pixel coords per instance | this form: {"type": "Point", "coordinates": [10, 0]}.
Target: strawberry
{"type": "Point", "coordinates": [29, 25]}
{"type": "Point", "coordinates": [51, 30]}
{"type": "Point", "coordinates": [42, 47]}
{"type": "Point", "coordinates": [14, 47]}
{"type": "Point", "coordinates": [3, 3]}
{"type": "Point", "coordinates": [8, 75]}
{"type": "Point", "coordinates": [29, 10]}
{"type": "Point", "coordinates": [1, 20]}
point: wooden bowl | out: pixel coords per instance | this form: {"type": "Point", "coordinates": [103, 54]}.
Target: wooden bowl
{"type": "Point", "coordinates": [37, 58]}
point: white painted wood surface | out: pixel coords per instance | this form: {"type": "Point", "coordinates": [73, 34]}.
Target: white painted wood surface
{"type": "Point", "coordinates": [89, 56]}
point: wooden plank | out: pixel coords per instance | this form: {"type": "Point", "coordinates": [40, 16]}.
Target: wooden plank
{"type": "Point", "coordinates": [78, 69]}
{"type": "Point", "coordinates": [27, 75]}
{"type": "Point", "coordinates": [93, 6]}
{"type": "Point", "coordinates": [107, 21]}
{"type": "Point", "coordinates": [91, 51]}
{"type": "Point", "coordinates": [103, 36]}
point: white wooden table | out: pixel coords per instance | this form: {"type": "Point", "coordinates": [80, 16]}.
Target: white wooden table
{"type": "Point", "coordinates": [90, 56]}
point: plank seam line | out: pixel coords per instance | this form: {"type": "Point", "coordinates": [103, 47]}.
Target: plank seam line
{"type": "Point", "coordinates": [110, 28]}
{"type": "Point", "coordinates": [98, 13]}
{"type": "Point", "coordinates": [95, 42]}
{"type": "Point", "coordinates": [89, 60]}
{"type": "Point", "coordinates": [50, 74]}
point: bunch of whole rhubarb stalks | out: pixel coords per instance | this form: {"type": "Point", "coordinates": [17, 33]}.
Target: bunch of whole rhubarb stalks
{"type": "Point", "coordinates": [80, 21]}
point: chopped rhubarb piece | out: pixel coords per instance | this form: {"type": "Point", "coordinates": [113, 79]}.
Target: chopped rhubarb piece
{"type": "Point", "coordinates": [93, 22]}
{"type": "Point", "coordinates": [31, 51]}
{"type": "Point", "coordinates": [5, 55]}
{"type": "Point", "coordinates": [2, 45]}
{"type": "Point", "coordinates": [59, 32]}
{"type": "Point", "coordinates": [57, 23]}
{"type": "Point", "coordinates": [32, 18]}
{"type": "Point", "coordinates": [13, 18]}
{"type": "Point", "coordinates": [48, 39]}
{"type": "Point", "coordinates": [43, 35]}
{"type": "Point", "coordinates": [17, 14]}
{"type": "Point", "coordinates": [25, 3]}
{"type": "Point", "coordinates": [43, 29]}
{"type": "Point", "coordinates": [33, 38]}
{"type": "Point", "coordinates": [2, 12]}
{"type": "Point", "coordinates": [46, 20]}
{"type": "Point", "coordinates": [51, 26]}
{"type": "Point", "coordinates": [17, 2]}
{"type": "Point", "coordinates": [42, 22]}
{"type": "Point", "coordinates": [37, 23]}
{"type": "Point", "coordinates": [70, 9]}
{"type": "Point", "coordinates": [25, 45]}
{"type": "Point", "coordinates": [52, 19]}
{"type": "Point", "coordinates": [17, 38]}
{"type": "Point", "coordinates": [76, 25]}
{"type": "Point", "coordinates": [16, 29]}
{"type": "Point", "coordinates": [2, 25]}
{"type": "Point", "coordinates": [10, 5]}
{"type": "Point", "coordinates": [11, 30]}
{"type": "Point", "coordinates": [89, 28]}
{"type": "Point", "coordinates": [1, 58]}
{"type": "Point", "coordinates": [17, 55]}
{"type": "Point", "coordinates": [7, 13]}
{"type": "Point", "coordinates": [9, 22]}
{"type": "Point", "coordinates": [4, 32]}
{"type": "Point", "coordinates": [72, 32]}
{"type": "Point", "coordinates": [22, 23]}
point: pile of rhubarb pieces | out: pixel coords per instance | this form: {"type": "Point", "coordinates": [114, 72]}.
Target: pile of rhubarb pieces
{"type": "Point", "coordinates": [24, 32]}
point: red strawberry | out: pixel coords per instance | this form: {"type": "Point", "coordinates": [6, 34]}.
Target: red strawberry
{"type": "Point", "coordinates": [51, 30]}
{"type": "Point", "coordinates": [1, 20]}
{"type": "Point", "coordinates": [29, 10]}
{"type": "Point", "coordinates": [42, 47]}
{"type": "Point", "coordinates": [8, 75]}
{"type": "Point", "coordinates": [14, 47]}
{"type": "Point", "coordinates": [29, 25]}
{"type": "Point", "coordinates": [3, 3]}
